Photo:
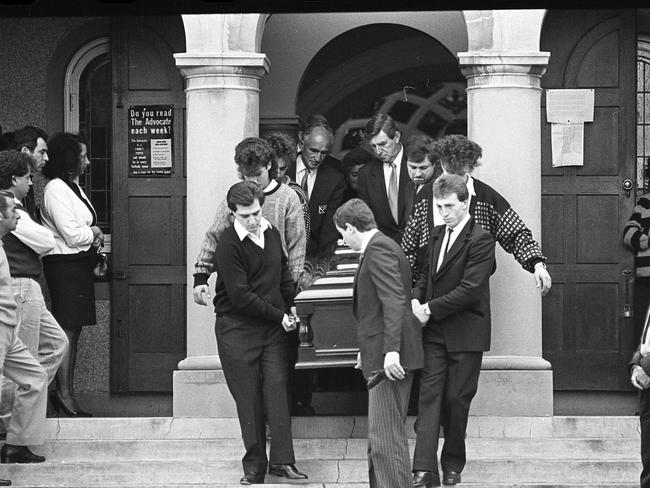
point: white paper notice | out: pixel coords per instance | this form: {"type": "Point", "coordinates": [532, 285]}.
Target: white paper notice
{"type": "Point", "coordinates": [568, 106]}
{"type": "Point", "coordinates": [567, 144]}
{"type": "Point", "coordinates": [161, 153]}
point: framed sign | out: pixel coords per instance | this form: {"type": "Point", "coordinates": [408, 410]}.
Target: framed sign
{"type": "Point", "coordinates": [151, 131]}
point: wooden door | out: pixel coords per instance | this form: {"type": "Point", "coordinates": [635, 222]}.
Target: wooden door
{"type": "Point", "coordinates": [148, 289]}
{"type": "Point", "coordinates": [586, 337]}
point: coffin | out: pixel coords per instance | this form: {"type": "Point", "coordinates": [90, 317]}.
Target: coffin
{"type": "Point", "coordinates": [328, 332]}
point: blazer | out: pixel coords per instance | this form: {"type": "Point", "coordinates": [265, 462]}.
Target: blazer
{"type": "Point", "coordinates": [458, 293]}
{"type": "Point", "coordinates": [382, 307]}
{"type": "Point", "coordinates": [325, 198]}
{"type": "Point", "coordinates": [372, 190]}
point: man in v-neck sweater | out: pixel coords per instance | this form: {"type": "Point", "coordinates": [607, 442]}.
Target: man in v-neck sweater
{"type": "Point", "coordinates": [253, 293]}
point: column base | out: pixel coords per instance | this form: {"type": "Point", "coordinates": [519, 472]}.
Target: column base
{"type": "Point", "coordinates": [513, 386]}
{"type": "Point", "coordinates": [200, 389]}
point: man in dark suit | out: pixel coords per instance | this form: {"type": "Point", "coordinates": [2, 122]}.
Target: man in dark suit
{"type": "Point", "coordinates": [454, 288]}
{"type": "Point", "coordinates": [390, 340]}
{"type": "Point", "coordinates": [383, 186]}
{"type": "Point", "coordinates": [322, 182]}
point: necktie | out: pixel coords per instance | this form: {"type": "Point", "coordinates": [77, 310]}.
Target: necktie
{"type": "Point", "coordinates": [303, 182]}
{"type": "Point", "coordinates": [392, 192]}
{"type": "Point", "coordinates": [441, 257]}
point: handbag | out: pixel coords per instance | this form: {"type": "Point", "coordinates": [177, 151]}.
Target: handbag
{"type": "Point", "coordinates": [101, 268]}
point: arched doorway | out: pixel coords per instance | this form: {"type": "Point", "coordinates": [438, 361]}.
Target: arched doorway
{"type": "Point", "coordinates": [384, 67]}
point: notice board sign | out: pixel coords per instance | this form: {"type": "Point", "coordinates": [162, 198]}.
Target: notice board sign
{"type": "Point", "coordinates": [151, 131]}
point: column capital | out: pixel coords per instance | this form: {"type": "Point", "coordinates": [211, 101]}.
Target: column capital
{"type": "Point", "coordinates": [514, 70]}
{"type": "Point", "coordinates": [218, 71]}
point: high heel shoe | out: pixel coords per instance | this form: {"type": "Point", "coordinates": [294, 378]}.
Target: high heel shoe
{"type": "Point", "coordinates": [70, 412]}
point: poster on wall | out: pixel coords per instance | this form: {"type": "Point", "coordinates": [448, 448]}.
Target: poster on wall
{"type": "Point", "coordinates": [567, 110]}
{"type": "Point", "coordinates": [151, 130]}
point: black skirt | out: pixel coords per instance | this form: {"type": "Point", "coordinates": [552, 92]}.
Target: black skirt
{"type": "Point", "coordinates": [71, 282]}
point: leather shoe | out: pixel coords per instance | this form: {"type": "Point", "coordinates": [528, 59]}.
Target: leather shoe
{"type": "Point", "coordinates": [450, 477]}
{"type": "Point", "coordinates": [5, 482]}
{"type": "Point", "coordinates": [251, 479]}
{"type": "Point", "coordinates": [18, 454]}
{"type": "Point", "coordinates": [287, 471]}
{"type": "Point", "coordinates": [425, 478]}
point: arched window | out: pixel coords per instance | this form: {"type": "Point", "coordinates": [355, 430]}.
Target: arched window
{"type": "Point", "coordinates": [87, 103]}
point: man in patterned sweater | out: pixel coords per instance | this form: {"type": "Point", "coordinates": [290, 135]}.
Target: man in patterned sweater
{"type": "Point", "coordinates": [458, 155]}
{"type": "Point", "coordinates": [256, 162]}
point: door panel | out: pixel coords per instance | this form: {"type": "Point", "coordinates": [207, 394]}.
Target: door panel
{"type": "Point", "coordinates": [148, 334]}
{"type": "Point", "coordinates": [585, 336]}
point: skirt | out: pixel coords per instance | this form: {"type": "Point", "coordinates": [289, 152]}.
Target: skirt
{"type": "Point", "coordinates": [71, 282]}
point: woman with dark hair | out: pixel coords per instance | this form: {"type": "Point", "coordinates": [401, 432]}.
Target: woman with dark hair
{"type": "Point", "coordinates": [68, 268]}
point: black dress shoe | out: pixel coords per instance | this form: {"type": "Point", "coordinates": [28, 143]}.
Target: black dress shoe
{"type": "Point", "coordinates": [425, 478]}
{"type": "Point", "coordinates": [287, 471]}
{"type": "Point", "coordinates": [251, 479]}
{"type": "Point", "coordinates": [18, 454]}
{"type": "Point", "coordinates": [450, 477]}
{"type": "Point", "coordinates": [5, 482]}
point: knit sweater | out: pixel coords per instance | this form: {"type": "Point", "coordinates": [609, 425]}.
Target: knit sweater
{"type": "Point", "coordinates": [252, 281]}
{"type": "Point", "coordinates": [491, 211]}
{"type": "Point", "coordinates": [282, 209]}
{"type": "Point", "coordinates": [635, 235]}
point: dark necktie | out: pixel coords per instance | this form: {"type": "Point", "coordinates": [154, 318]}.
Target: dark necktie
{"type": "Point", "coordinates": [449, 231]}
{"type": "Point", "coordinates": [392, 192]}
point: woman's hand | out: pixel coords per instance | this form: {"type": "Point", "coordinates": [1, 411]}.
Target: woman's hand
{"type": "Point", "coordinates": [98, 237]}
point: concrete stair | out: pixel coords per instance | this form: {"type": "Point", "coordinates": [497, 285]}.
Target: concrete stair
{"type": "Point", "coordinates": [513, 452]}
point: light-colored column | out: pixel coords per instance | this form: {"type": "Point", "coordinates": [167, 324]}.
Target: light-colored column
{"type": "Point", "coordinates": [222, 73]}
{"type": "Point", "coordinates": [503, 68]}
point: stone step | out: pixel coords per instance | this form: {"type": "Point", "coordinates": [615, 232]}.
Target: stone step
{"type": "Point", "coordinates": [482, 472]}
{"type": "Point", "coordinates": [232, 449]}
{"type": "Point", "coordinates": [321, 427]}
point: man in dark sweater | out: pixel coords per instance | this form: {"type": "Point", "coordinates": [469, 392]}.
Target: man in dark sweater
{"type": "Point", "coordinates": [253, 293]}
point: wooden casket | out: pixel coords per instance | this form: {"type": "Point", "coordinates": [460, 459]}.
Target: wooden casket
{"type": "Point", "coordinates": [328, 332]}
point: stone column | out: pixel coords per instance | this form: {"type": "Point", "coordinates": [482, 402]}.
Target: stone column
{"type": "Point", "coordinates": [503, 68]}
{"type": "Point", "coordinates": [222, 74]}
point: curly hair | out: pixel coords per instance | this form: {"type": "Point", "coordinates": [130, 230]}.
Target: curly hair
{"type": "Point", "coordinates": [64, 150]}
{"type": "Point", "coordinates": [456, 152]}
{"type": "Point", "coordinates": [252, 153]}
{"type": "Point", "coordinates": [283, 146]}
{"type": "Point", "coordinates": [13, 163]}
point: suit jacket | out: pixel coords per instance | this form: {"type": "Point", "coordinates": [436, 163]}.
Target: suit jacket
{"type": "Point", "coordinates": [372, 190]}
{"type": "Point", "coordinates": [382, 307]}
{"type": "Point", "coordinates": [325, 198]}
{"type": "Point", "coordinates": [458, 293]}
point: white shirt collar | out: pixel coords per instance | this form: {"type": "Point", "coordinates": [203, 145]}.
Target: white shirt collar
{"type": "Point", "coordinates": [470, 185]}
{"type": "Point", "coordinates": [366, 238]}
{"type": "Point", "coordinates": [459, 227]}
{"type": "Point", "coordinates": [242, 233]}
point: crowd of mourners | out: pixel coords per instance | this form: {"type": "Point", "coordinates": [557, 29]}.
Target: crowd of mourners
{"type": "Point", "coordinates": [425, 230]}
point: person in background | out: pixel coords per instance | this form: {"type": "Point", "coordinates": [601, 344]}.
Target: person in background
{"type": "Point", "coordinates": [253, 296]}
{"type": "Point", "coordinates": [352, 162]}
{"type": "Point", "coordinates": [68, 268]}
{"type": "Point", "coordinates": [459, 155]}
{"type": "Point", "coordinates": [37, 328]}
{"type": "Point", "coordinates": [636, 236]}
{"type": "Point", "coordinates": [323, 184]}
{"type": "Point", "coordinates": [285, 152]}
{"type": "Point", "coordinates": [27, 424]}
{"type": "Point", "coordinates": [33, 140]}
{"type": "Point", "coordinates": [383, 185]}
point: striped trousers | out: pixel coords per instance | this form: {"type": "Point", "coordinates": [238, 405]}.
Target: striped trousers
{"type": "Point", "coordinates": [389, 464]}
